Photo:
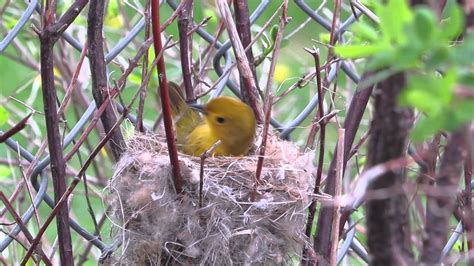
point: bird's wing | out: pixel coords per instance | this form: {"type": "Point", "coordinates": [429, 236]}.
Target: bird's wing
{"type": "Point", "coordinates": [185, 118]}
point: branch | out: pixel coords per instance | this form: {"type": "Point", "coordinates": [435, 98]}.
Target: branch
{"type": "Point", "coordinates": [268, 90]}
{"type": "Point", "coordinates": [185, 22]}
{"type": "Point", "coordinates": [15, 129]}
{"type": "Point", "coordinates": [22, 226]}
{"type": "Point", "coordinates": [322, 239]}
{"type": "Point", "coordinates": [100, 88]}
{"type": "Point", "coordinates": [387, 217]}
{"type": "Point", "coordinates": [242, 22]}
{"type": "Point", "coordinates": [58, 164]}
{"type": "Point", "coordinates": [337, 194]}
{"type": "Point", "coordinates": [440, 207]}
{"type": "Point", "coordinates": [319, 171]}
{"type": "Point", "coordinates": [165, 98]}
{"type": "Point", "coordinates": [250, 94]}
{"type": "Point", "coordinates": [68, 17]}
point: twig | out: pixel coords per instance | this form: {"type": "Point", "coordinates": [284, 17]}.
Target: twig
{"type": "Point", "coordinates": [242, 22]}
{"type": "Point", "coordinates": [337, 202]}
{"type": "Point", "coordinates": [440, 207]}
{"type": "Point", "coordinates": [204, 156]}
{"type": "Point", "coordinates": [141, 103]}
{"type": "Point", "coordinates": [351, 124]}
{"type": "Point", "coordinates": [269, 95]}
{"type": "Point", "coordinates": [260, 33]}
{"type": "Point", "coordinates": [335, 18]}
{"type": "Point", "coordinates": [112, 94]}
{"type": "Point", "coordinates": [359, 144]}
{"type": "Point", "coordinates": [63, 200]}
{"type": "Point", "coordinates": [319, 171]}
{"type": "Point", "coordinates": [73, 84]}
{"type": "Point", "coordinates": [15, 129]}
{"type": "Point", "coordinates": [83, 257]}
{"type": "Point", "coordinates": [100, 88]}
{"type": "Point", "coordinates": [357, 4]}
{"type": "Point", "coordinates": [48, 37]}
{"type": "Point", "coordinates": [468, 212]}
{"type": "Point", "coordinates": [22, 226]}
{"type": "Point", "coordinates": [185, 22]}
{"type": "Point", "coordinates": [165, 98]}
{"type": "Point", "coordinates": [250, 94]}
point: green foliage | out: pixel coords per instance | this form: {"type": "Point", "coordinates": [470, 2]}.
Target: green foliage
{"type": "Point", "coordinates": [268, 44]}
{"type": "Point", "coordinates": [5, 172]}
{"type": "Point", "coordinates": [412, 40]}
{"type": "Point", "coordinates": [3, 115]}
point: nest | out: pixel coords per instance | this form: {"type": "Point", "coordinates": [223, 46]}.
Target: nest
{"type": "Point", "coordinates": [157, 226]}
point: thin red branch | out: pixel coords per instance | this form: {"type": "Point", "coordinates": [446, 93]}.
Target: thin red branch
{"type": "Point", "coordinates": [23, 227]}
{"type": "Point", "coordinates": [165, 99]}
{"type": "Point", "coordinates": [15, 129]}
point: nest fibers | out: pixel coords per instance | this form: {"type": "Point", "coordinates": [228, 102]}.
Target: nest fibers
{"type": "Point", "coordinates": [157, 226]}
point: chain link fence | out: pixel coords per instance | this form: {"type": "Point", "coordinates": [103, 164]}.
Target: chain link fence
{"type": "Point", "coordinates": [222, 63]}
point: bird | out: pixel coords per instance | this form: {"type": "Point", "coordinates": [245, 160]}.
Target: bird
{"type": "Point", "coordinates": [224, 119]}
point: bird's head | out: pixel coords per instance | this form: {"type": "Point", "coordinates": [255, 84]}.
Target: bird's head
{"type": "Point", "coordinates": [230, 119]}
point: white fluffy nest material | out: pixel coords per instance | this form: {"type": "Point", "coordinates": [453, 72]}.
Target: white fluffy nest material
{"type": "Point", "coordinates": [157, 226]}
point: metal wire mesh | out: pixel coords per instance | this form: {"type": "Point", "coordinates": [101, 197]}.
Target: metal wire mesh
{"type": "Point", "coordinates": [39, 178]}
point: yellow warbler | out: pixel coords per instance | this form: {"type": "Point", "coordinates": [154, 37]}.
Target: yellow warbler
{"type": "Point", "coordinates": [226, 119]}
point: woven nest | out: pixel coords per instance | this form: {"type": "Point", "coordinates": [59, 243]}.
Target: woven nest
{"type": "Point", "coordinates": [157, 226]}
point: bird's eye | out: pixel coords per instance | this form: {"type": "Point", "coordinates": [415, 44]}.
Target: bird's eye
{"type": "Point", "coordinates": [220, 120]}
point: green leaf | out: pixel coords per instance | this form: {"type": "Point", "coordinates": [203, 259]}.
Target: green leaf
{"type": "Point", "coordinates": [464, 53]}
{"type": "Point", "coordinates": [464, 112]}
{"type": "Point", "coordinates": [446, 86]}
{"type": "Point", "coordinates": [393, 18]}
{"type": "Point", "coordinates": [3, 115]}
{"type": "Point", "coordinates": [265, 41]}
{"type": "Point", "coordinates": [5, 172]}
{"type": "Point", "coordinates": [324, 37]}
{"type": "Point", "coordinates": [209, 12]}
{"type": "Point", "coordinates": [429, 93]}
{"type": "Point", "coordinates": [421, 99]}
{"type": "Point", "coordinates": [424, 23]}
{"type": "Point", "coordinates": [366, 32]}
{"type": "Point", "coordinates": [408, 56]}
{"type": "Point", "coordinates": [453, 25]}
{"type": "Point", "coordinates": [135, 78]}
{"type": "Point", "coordinates": [467, 78]}
{"type": "Point", "coordinates": [273, 33]}
{"type": "Point", "coordinates": [358, 51]}
{"type": "Point", "coordinates": [383, 59]}
{"type": "Point", "coordinates": [426, 127]}
{"type": "Point", "coordinates": [437, 57]}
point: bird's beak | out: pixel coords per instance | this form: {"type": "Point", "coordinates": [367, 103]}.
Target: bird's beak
{"type": "Point", "coordinates": [198, 107]}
